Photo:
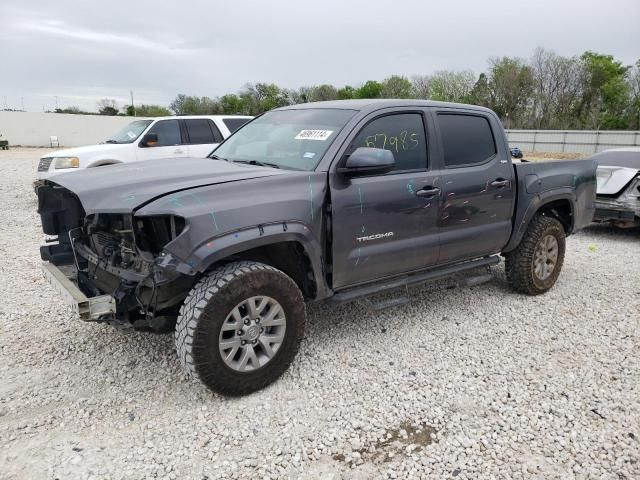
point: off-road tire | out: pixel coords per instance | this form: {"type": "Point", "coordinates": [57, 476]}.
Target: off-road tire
{"type": "Point", "coordinates": [519, 263]}
{"type": "Point", "coordinates": [205, 309]}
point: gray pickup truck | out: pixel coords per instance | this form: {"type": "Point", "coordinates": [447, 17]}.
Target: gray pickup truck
{"type": "Point", "coordinates": [324, 201]}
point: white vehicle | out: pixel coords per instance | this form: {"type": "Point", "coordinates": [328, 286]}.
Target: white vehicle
{"type": "Point", "coordinates": [145, 139]}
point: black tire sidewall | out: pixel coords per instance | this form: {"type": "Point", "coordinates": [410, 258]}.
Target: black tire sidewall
{"type": "Point", "coordinates": [210, 366]}
{"type": "Point", "coordinates": [556, 230]}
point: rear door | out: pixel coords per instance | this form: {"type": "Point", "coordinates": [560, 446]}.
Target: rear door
{"type": "Point", "coordinates": [380, 225]}
{"type": "Point", "coordinates": [477, 184]}
{"type": "Point", "coordinates": [170, 142]}
{"type": "Point", "coordinates": [202, 136]}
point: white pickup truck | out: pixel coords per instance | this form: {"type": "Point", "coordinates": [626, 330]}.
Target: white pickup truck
{"type": "Point", "coordinates": [145, 139]}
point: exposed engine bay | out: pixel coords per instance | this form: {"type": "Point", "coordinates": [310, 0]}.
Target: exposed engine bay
{"type": "Point", "coordinates": [114, 253]}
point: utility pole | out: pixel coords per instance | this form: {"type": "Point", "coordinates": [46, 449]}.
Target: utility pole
{"type": "Point", "coordinates": [132, 105]}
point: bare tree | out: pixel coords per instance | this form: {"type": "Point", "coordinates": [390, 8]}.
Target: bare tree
{"type": "Point", "coordinates": [107, 106]}
{"type": "Point", "coordinates": [557, 89]}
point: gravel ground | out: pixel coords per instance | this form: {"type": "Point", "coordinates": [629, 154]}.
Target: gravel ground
{"type": "Point", "coordinates": [465, 383]}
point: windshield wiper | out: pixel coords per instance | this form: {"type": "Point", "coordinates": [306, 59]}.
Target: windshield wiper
{"type": "Point", "coordinates": [216, 157]}
{"type": "Point", "coordinates": [257, 162]}
{"type": "Point", "coordinates": [111, 141]}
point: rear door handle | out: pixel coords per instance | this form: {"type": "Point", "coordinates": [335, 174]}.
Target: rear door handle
{"type": "Point", "coordinates": [500, 182]}
{"type": "Point", "coordinates": [428, 192]}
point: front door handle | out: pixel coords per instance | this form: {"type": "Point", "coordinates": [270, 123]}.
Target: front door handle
{"type": "Point", "coordinates": [177, 150]}
{"type": "Point", "coordinates": [500, 182]}
{"type": "Point", "coordinates": [428, 192]}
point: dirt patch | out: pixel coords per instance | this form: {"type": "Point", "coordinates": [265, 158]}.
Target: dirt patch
{"type": "Point", "coordinates": [404, 440]}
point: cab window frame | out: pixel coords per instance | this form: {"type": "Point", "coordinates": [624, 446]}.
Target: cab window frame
{"type": "Point", "coordinates": [465, 113]}
{"type": "Point", "coordinates": [153, 125]}
{"type": "Point", "coordinates": [360, 127]}
{"type": "Point", "coordinates": [217, 136]}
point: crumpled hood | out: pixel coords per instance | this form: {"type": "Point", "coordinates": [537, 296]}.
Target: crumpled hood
{"type": "Point", "coordinates": [612, 180]}
{"type": "Point", "coordinates": [124, 188]}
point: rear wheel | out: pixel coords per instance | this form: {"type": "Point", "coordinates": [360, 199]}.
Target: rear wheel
{"type": "Point", "coordinates": [240, 327]}
{"type": "Point", "coordinates": [534, 266]}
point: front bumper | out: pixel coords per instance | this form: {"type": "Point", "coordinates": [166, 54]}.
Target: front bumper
{"type": "Point", "coordinates": [86, 308]}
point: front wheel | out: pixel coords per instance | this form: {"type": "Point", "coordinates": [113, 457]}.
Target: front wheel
{"type": "Point", "coordinates": [240, 327]}
{"type": "Point", "coordinates": [533, 267]}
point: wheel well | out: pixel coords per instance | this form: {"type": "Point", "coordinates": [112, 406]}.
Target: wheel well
{"type": "Point", "coordinates": [561, 211]}
{"type": "Point", "coordinates": [103, 163]}
{"type": "Point", "coordinates": [289, 257]}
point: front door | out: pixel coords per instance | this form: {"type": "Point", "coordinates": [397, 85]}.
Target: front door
{"type": "Point", "coordinates": [169, 143]}
{"type": "Point", "coordinates": [386, 224]}
{"type": "Point", "coordinates": [477, 186]}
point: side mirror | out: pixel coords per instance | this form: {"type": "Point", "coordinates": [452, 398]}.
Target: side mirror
{"type": "Point", "coordinates": [149, 140]}
{"type": "Point", "coordinates": [368, 161]}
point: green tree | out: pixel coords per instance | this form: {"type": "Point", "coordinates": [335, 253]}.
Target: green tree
{"type": "Point", "coordinates": [605, 92]}
{"type": "Point", "coordinates": [370, 89]}
{"type": "Point", "coordinates": [346, 93]}
{"type": "Point", "coordinates": [396, 87]}
{"type": "Point", "coordinates": [480, 94]}
{"type": "Point", "coordinates": [262, 97]}
{"type": "Point", "coordinates": [191, 105]}
{"type": "Point", "coordinates": [634, 89]}
{"type": "Point", "coordinates": [231, 104]}
{"type": "Point", "coordinates": [151, 111]}
{"type": "Point", "coordinates": [323, 93]}
{"type": "Point", "coordinates": [511, 86]}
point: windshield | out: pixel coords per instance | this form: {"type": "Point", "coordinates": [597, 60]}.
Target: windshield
{"type": "Point", "coordinates": [129, 133]}
{"type": "Point", "coordinates": [295, 139]}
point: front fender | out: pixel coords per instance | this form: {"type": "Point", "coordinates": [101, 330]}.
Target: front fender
{"type": "Point", "coordinates": [238, 241]}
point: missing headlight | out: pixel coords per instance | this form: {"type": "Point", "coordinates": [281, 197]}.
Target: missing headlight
{"type": "Point", "coordinates": [153, 233]}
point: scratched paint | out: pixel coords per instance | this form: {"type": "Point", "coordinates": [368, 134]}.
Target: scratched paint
{"type": "Point", "coordinates": [358, 258]}
{"type": "Point", "coordinates": [310, 197]}
{"type": "Point", "coordinates": [215, 224]}
{"type": "Point", "coordinates": [360, 197]}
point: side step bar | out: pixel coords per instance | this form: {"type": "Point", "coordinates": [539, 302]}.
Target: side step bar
{"type": "Point", "coordinates": [420, 277]}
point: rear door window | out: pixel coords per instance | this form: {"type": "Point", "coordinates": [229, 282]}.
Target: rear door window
{"type": "Point", "coordinates": [202, 130]}
{"type": "Point", "coordinates": [466, 139]}
{"type": "Point", "coordinates": [234, 123]}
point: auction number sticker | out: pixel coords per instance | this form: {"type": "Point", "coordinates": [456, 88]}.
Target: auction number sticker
{"type": "Point", "coordinates": [314, 135]}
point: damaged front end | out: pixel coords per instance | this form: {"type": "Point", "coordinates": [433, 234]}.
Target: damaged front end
{"type": "Point", "coordinates": [114, 256]}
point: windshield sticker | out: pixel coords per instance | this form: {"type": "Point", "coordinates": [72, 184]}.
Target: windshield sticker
{"type": "Point", "coordinates": [314, 135]}
{"type": "Point", "coordinates": [309, 155]}
{"type": "Point", "coordinates": [131, 135]}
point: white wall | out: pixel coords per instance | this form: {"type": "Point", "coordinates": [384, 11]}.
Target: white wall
{"type": "Point", "coordinates": [34, 129]}
{"type": "Point", "coordinates": [577, 141]}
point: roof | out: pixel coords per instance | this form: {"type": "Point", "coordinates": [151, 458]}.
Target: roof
{"type": "Point", "coordinates": [377, 103]}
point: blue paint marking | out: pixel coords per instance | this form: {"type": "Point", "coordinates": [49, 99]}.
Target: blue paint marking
{"type": "Point", "coordinates": [310, 197]}
{"type": "Point", "coordinates": [215, 224]}
{"type": "Point", "coordinates": [360, 196]}
{"type": "Point", "coordinates": [410, 188]}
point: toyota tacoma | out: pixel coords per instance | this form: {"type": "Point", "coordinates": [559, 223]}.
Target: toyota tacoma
{"type": "Point", "coordinates": [325, 201]}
